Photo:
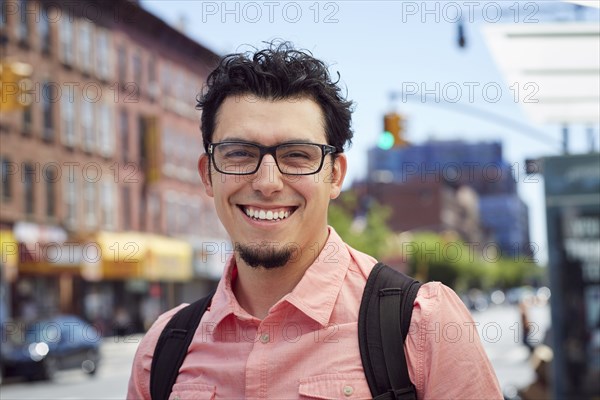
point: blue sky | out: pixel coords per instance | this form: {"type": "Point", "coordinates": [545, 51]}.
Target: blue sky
{"type": "Point", "coordinates": [385, 46]}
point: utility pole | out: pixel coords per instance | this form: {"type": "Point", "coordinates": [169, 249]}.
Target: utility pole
{"type": "Point", "coordinates": [565, 139]}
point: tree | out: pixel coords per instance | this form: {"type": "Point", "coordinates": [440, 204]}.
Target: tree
{"type": "Point", "coordinates": [368, 232]}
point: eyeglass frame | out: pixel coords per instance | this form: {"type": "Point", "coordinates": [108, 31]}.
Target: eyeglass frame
{"type": "Point", "coordinates": [326, 149]}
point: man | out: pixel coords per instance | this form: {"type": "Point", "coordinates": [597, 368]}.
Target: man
{"type": "Point", "coordinates": [283, 322]}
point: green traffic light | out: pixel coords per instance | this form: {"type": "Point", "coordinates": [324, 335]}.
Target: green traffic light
{"type": "Point", "coordinates": [386, 141]}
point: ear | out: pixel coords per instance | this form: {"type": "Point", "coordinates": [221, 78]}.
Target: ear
{"type": "Point", "coordinates": [204, 171]}
{"type": "Point", "coordinates": [338, 173]}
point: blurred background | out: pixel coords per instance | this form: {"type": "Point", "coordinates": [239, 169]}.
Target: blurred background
{"type": "Point", "coordinates": [474, 162]}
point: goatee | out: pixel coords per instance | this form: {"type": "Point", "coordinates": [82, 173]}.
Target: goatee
{"type": "Point", "coordinates": [267, 255]}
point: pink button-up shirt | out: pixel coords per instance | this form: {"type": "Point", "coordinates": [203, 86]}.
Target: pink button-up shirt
{"type": "Point", "coordinates": [307, 345]}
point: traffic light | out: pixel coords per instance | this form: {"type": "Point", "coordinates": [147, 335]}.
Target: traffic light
{"type": "Point", "coordinates": [462, 40]}
{"type": "Point", "coordinates": [15, 82]}
{"type": "Point", "coordinates": [393, 132]}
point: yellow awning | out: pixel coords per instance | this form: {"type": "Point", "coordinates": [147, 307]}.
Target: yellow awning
{"type": "Point", "coordinates": [168, 259]}
{"type": "Point", "coordinates": [9, 255]}
{"type": "Point", "coordinates": [134, 255]}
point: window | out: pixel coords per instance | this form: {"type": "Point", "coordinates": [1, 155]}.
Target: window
{"type": "Point", "coordinates": [184, 215]}
{"type": "Point", "coordinates": [126, 207]}
{"type": "Point", "coordinates": [108, 204]}
{"type": "Point", "coordinates": [137, 72]}
{"type": "Point", "coordinates": [50, 176]}
{"type": "Point", "coordinates": [2, 14]}
{"type": "Point", "coordinates": [154, 210]}
{"type": "Point", "coordinates": [90, 204]}
{"type": "Point", "coordinates": [66, 41]}
{"type": "Point", "coordinates": [44, 28]}
{"type": "Point", "coordinates": [27, 119]}
{"type": "Point", "coordinates": [7, 171]}
{"type": "Point", "coordinates": [124, 129]}
{"type": "Point", "coordinates": [68, 120]}
{"type": "Point", "coordinates": [102, 55]}
{"type": "Point", "coordinates": [122, 60]}
{"type": "Point", "coordinates": [165, 78]}
{"type": "Point", "coordinates": [85, 46]}
{"type": "Point", "coordinates": [106, 131]}
{"type": "Point", "coordinates": [143, 137]}
{"type": "Point", "coordinates": [171, 210]}
{"type": "Point", "coordinates": [48, 99]}
{"type": "Point", "coordinates": [168, 144]}
{"type": "Point", "coordinates": [71, 202]}
{"type": "Point", "coordinates": [87, 125]}
{"type": "Point", "coordinates": [178, 83]}
{"type": "Point", "coordinates": [28, 187]}
{"type": "Point", "coordinates": [152, 84]}
{"type": "Point", "coordinates": [195, 218]}
{"type": "Point", "coordinates": [23, 26]}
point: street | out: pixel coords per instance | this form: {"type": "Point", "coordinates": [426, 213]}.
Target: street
{"type": "Point", "coordinates": [497, 328]}
{"type": "Point", "coordinates": [110, 381]}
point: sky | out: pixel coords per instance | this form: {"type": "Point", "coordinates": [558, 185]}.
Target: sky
{"type": "Point", "coordinates": [381, 47]}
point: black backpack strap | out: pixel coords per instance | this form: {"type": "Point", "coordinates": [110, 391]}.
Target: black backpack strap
{"type": "Point", "coordinates": [384, 318]}
{"type": "Point", "coordinates": [172, 345]}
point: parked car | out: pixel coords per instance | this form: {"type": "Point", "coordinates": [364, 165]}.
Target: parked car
{"type": "Point", "coordinates": [38, 350]}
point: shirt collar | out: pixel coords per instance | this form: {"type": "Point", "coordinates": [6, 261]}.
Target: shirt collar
{"type": "Point", "coordinates": [224, 301]}
{"type": "Point", "coordinates": [317, 291]}
{"type": "Point", "coordinates": [314, 295]}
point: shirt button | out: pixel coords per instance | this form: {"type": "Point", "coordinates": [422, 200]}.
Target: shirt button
{"type": "Point", "coordinates": [348, 390]}
{"type": "Point", "coordinates": [264, 338]}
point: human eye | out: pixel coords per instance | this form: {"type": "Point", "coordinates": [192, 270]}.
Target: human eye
{"type": "Point", "coordinates": [296, 154]}
{"type": "Point", "coordinates": [238, 151]}
{"type": "Point", "coordinates": [299, 152]}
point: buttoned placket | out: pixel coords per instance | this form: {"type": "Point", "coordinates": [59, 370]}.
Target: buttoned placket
{"type": "Point", "coordinates": [257, 365]}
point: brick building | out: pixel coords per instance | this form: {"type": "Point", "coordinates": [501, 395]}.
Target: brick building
{"type": "Point", "coordinates": [502, 215]}
{"type": "Point", "coordinates": [100, 195]}
{"type": "Point", "coordinates": [432, 205]}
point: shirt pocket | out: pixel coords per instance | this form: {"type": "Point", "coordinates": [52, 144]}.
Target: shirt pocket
{"type": "Point", "coordinates": [192, 391]}
{"type": "Point", "coordinates": [335, 386]}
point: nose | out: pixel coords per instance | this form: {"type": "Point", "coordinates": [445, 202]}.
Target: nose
{"type": "Point", "coordinates": [267, 179]}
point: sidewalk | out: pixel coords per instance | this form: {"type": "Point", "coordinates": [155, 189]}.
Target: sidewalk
{"type": "Point", "coordinates": [499, 329]}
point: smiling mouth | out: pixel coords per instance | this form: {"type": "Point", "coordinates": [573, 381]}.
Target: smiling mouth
{"type": "Point", "coordinates": [260, 214]}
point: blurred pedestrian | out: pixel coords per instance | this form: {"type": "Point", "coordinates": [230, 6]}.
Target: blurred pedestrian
{"type": "Point", "coordinates": [540, 388]}
{"type": "Point", "coordinates": [283, 320]}
{"type": "Point", "coordinates": [525, 326]}
{"type": "Point", "coordinates": [122, 322]}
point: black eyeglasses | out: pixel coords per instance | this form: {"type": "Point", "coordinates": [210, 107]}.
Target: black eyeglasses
{"type": "Point", "coordinates": [242, 158]}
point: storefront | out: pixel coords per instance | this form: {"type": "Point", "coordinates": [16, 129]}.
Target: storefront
{"type": "Point", "coordinates": [9, 258]}
{"type": "Point", "coordinates": [208, 262]}
{"type": "Point", "coordinates": [118, 280]}
{"type": "Point", "coordinates": [48, 276]}
{"type": "Point", "coordinates": [132, 277]}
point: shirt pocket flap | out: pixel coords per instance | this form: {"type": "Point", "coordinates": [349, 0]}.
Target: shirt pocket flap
{"type": "Point", "coordinates": [192, 391]}
{"type": "Point", "coordinates": [335, 386]}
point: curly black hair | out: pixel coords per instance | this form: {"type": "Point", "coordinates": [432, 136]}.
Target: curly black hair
{"type": "Point", "coordinates": [278, 72]}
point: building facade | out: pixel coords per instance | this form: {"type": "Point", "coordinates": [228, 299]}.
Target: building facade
{"type": "Point", "coordinates": [507, 216]}
{"type": "Point", "coordinates": [502, 214]}
{"type": "Point", "coordinates": [100, 194]}
{"type": "Point", "coordinates": [430, 206]}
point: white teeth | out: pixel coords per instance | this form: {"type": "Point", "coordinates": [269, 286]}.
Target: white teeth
{"type": "Point", "coordinates": [268, 215]}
